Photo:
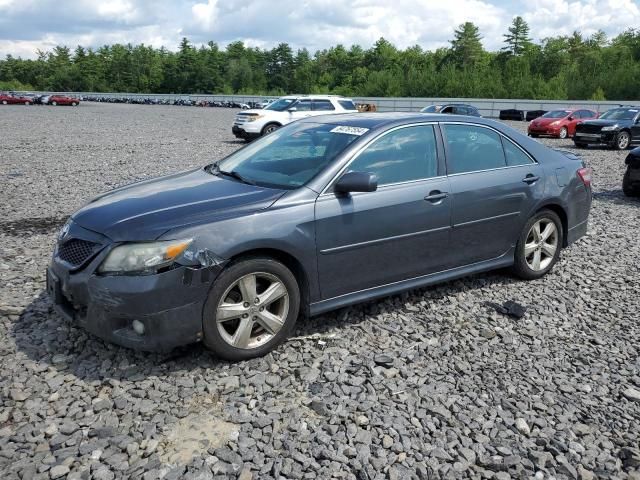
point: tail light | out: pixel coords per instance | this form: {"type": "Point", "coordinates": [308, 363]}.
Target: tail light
{"type": "Point", "coordinates": [585, 175]}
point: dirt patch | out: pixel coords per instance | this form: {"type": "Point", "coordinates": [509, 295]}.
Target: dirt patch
{"type": "Point", "coordinates": [199, 431]}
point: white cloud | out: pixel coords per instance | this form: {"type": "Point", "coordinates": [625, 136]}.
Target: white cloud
{"type": "Point", "coordinates": [561, 17]}
{"type": "Point", "coordinates": [26, 25]}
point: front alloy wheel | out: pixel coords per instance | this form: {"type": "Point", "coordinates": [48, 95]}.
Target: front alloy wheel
{"type": "Point", "coordinates": [252, 307]}
{"type": "Point", "coordinates": [253, 310]}
{"type": "Point", "coordinates": [538, 248]}
{"type": "Point", "coordinates": [564, 133]}
{"type": "Point", "coordinates": [622, 141]}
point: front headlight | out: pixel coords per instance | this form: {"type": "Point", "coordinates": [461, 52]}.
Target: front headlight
{"type": "Point", "coordinates": [143, 257]}
{"type": "Point", "coordinates": [610, 128]}
{"type": "Point", "coordinates": [254, 118]}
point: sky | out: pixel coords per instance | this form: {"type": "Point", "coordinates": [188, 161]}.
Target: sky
{"type": "Point", "coordinates": [29, 25]}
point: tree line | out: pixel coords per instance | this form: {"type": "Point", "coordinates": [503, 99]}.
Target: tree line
{"type": "Point", "coordinates": [562, 67]}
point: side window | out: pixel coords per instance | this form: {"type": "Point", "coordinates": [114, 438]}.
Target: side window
{"type": "Point", "coordinates": [303, 105]}
{"type": "Point", "coordinates": [403, 155]}
{"type": "Point", "coordinates": [347, 104]}
{"type": "Point", "coordinates": [323, 105]}
{"type": "Point", "coordinates": [515, 156]}
{"type": "Point", "coordinates": [447, 110]}
{"type": "Point", "coordinates": [472, 148]}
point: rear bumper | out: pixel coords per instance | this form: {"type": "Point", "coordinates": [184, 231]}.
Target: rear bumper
{"type": "Point", "coordinates": [168, 304]}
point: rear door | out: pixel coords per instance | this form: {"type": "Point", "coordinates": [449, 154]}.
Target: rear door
{"type": "Point", "coordinates": [494, 185]}
{"type": "Point", "coordinates": [398, 232]}
{"type": "Point", "coordinates": [322, 107]}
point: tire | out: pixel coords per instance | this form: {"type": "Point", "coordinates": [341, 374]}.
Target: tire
{"type": "Point", "coordinates": [27, 103]}
{"type": "Point", "coordinates": [627, 187]}
{"type": "Point", "coordinates": [4, 102]}
{"type": "Point", "coordinates": [564, 133]}
{"type": "Point", "coordinates": [54, 103]}
{"type": "Point", "coordinates": [270, 127]}
{"type": "Point", "coordinates": [280, 314]}
{"type": "Point", "coordinates": [524, 262]}
{"type": "Point", "coordinates": [73, 104]}
{"type": "Point", "coordinates": [622, 141]}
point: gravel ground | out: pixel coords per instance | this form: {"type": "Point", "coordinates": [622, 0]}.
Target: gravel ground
{"type": "Point", "coordinates": [465, 392]}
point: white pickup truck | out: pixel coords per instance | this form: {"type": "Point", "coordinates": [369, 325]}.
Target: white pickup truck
{"type": "Point", "coordinates": [251, 124]}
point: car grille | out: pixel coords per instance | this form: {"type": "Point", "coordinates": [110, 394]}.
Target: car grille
{"type": "Point", "coordinates": [586, 128]}
{"type": "Point", "coordinates": [240, 119]}
{"type": "Point", "coordinates": [75, 251]}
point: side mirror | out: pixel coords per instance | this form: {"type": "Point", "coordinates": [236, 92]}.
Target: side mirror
{"type": "Point", "coordinates": [571, 119]}
{"type": "Point", "coordinates": [292, 109]}
{"type": "Point", "coordinates": [357, 182]}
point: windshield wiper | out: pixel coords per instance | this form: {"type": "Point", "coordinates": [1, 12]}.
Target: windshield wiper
{"type": "Point", "coordinates": [234, 174]}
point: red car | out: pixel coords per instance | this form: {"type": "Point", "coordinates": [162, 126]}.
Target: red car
{"type": "Point", "coordinates": [63, 100]}
{"type": "Point", "coordinates": [559, 123]}
{"type": "Point", "coordinates": [12, 99]}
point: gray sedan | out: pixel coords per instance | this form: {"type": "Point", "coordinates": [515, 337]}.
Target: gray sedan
{"type": "Point", "coordinates": [322, 213]}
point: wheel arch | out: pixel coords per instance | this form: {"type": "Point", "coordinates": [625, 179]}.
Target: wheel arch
{"type": "Point", "coordinates": [273, 122]}
{"type": "Point", "coordinates": [289, 261]}
{"type": "Point", "coordinates": [559, 210]}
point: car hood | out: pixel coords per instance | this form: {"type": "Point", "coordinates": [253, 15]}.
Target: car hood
{"type": "Point", "coordinates": [145, 210]}
{"type": "Point", "coordinates": [547, 121]}
{"type": "Point", "coordinates": [604, 123]}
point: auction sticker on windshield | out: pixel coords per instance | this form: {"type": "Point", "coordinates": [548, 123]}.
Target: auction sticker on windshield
{"type": "Point", "coordinates": [350, 130]}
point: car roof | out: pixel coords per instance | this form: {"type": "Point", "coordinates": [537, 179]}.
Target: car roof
{"type": "Point", "coordinates": [387, 119]}
{"type": "Point", "coordinates": [322, 97]}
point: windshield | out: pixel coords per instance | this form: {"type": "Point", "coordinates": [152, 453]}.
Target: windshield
{"type": "Point", "coordinates": [281, 105]}
{"type": "Point", "coordinates": [431, 109]}
{"type": "Point", "coordinates": [290, 156]}
{"type": "Point", "coordinates": [556, 114]}
{"type": "Point", "coordinates": [620, 114]}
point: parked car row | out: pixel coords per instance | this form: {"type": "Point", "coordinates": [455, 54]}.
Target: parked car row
{"type": "Point", "coordinates": [185, 102]}
{"type": "Point", "coordinates": [32, 99]}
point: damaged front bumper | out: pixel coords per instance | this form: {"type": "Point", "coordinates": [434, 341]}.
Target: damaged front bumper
{"type": "Point", "coordinates": [156, 312]}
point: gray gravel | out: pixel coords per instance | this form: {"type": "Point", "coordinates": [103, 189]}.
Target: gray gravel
{"type": "Point", "coordinates": [428, 384]}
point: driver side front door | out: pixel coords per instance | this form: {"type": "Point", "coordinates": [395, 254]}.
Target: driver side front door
{"type": "Point", "coordinates": [400, 231]}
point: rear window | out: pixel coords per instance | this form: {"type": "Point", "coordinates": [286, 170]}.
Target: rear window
{"type": "Point", "coordinates": [347, 104]}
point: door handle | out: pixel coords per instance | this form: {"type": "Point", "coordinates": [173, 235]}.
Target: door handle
{"type": "Point", "coordinates": [436, 196]}
{"type": "Point", "coordinates": [530, 179]}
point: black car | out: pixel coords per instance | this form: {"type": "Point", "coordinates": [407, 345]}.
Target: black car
{"type": "Point", "coordinates": [453, 108]}
{"type": "Point", "coordinates": [631, 180]}
{"type": "Point", "coordinates": [512, 114]}
{"type": "Point", "coordinates": [533, 114]}
{"type": "Point", "coordinates": [618, 128]}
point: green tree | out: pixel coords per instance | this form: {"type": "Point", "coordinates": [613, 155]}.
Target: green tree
{"type": "Point", "coordinates": [466, 46]}
{"type": "Point", "coordinates": [517, 39]}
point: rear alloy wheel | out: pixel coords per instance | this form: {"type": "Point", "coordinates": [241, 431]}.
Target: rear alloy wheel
{"type": "Point", "coordinates": [622, 142]}
{"type": "Point", "coordinates": [251, 309]}
{"type": "Point", "coordinates": [27, 103]}
{"type": "Point", "coordinates": [538, 248]}
{"type": "Point", "coordinates": [564, 133]}
{"type": "Point", "coordinates": [54, 103]}
{"type": "Point", "coordinates": [4, 102]}
{"type": "Point", "coordinates": [73, 104]}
